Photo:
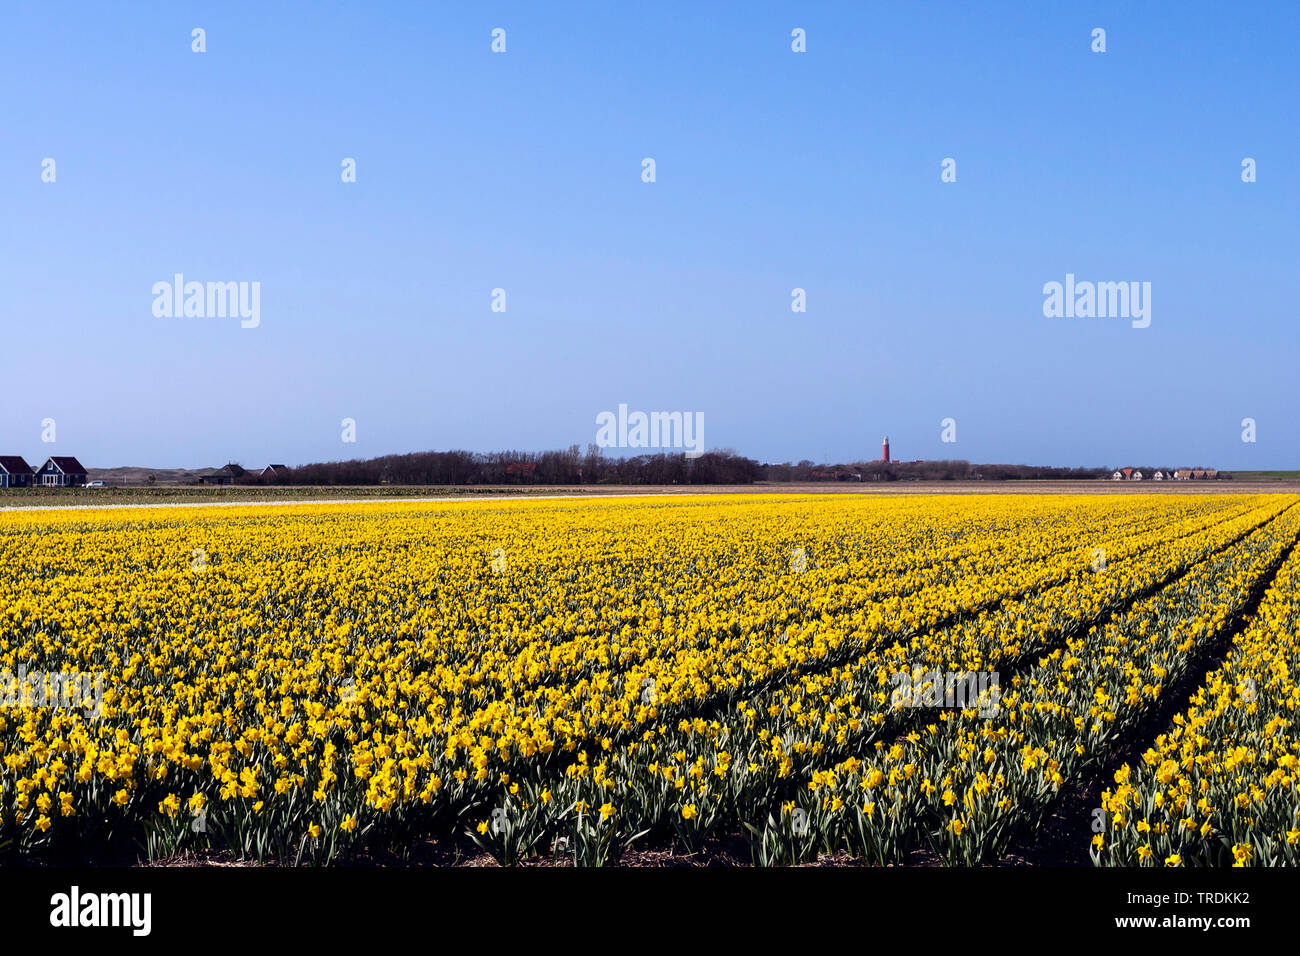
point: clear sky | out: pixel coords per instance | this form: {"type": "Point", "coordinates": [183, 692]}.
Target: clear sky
{"type": "Point", "coordinates": [774, 170]}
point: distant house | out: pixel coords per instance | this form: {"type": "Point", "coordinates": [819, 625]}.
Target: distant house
{"type": "Point", "coordinates": [226, 475]}
{"type": "Point", "coordinates": [275, 471]}
{"type": "Point", "coordinates": [61, 471]}
{"type": "Point", "coordinates": [1117, 475]}
{"type": "Point", "coordinates": [1183, 474]}
{"type": "Point", "coordinates": [1158, 475]}
{"type": "Point", "coordinates": [14, 472]}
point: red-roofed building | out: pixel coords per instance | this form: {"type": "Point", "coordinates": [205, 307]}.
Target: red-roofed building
{"type": "Point", "coordinates": [61, 471]}
{"type": "Point", "coordinates": [14, 472]}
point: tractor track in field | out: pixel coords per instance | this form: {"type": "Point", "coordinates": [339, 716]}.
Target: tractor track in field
{"type": "Point", "coordinates": [1079, 809]}
{"type": "Point", "coordinates": [716, 706]}
{"type": "Point", "coordinates": [1026, 660]}
{"type": "Point", "coordinates": [1065, 836]}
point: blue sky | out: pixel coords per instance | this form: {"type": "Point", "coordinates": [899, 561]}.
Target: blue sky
{"type": "Point", "coordinates": [775, 170]}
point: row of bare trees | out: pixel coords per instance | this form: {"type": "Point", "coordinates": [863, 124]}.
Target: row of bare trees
{"type": "Point", "coordinates": [567, 467]}
{"type": "Point", "coordinates": [572, 466]}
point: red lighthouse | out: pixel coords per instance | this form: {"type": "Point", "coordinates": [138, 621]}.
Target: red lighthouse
{"type": "Point", "coordinates": [884, 450]}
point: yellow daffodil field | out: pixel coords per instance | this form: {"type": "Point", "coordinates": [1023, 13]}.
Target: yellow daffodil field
{"type": "Point", "coordinates": [893, 679]}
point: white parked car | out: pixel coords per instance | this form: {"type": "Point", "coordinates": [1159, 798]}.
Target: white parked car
{"type": "Point", "coordinates": [94, 484]}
